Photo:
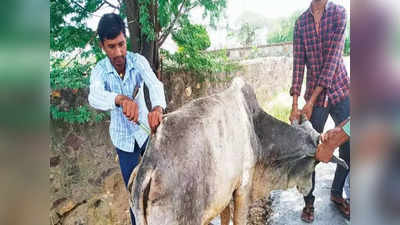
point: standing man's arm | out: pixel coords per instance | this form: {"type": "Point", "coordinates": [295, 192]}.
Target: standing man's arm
{"type": "Point", "coordinates": [298, 70]}
{"type": "Point", "coordinates": [156, 92]}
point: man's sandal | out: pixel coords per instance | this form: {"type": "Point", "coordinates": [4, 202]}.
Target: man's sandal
{"type": "Point", "coordinates": [342, 205]}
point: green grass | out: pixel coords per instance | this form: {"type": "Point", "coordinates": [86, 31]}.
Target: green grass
{"type": "Point", "coordinates": [280, 112]}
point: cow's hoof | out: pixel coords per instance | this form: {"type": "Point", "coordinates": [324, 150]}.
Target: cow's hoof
{"type": "Point", "coordinates": [308, 213]}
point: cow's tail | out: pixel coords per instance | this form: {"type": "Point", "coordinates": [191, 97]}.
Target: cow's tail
{"type": "Point", "coordinates": [141, 197]}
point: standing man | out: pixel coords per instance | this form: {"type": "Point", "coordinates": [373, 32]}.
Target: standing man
{"type": "Point", "coordinates": [116, 85]}
{"type": "Point", "coordinates": [318, 43]}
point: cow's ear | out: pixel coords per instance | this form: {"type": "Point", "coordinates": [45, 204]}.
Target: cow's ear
{"type": "Point", "coordinates": [307, 126]}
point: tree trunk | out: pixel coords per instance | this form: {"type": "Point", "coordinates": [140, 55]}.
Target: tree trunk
{"type": "Point", "coordinates": [148, 49]}
{"type": "Point", "coordinates": [132, 14]}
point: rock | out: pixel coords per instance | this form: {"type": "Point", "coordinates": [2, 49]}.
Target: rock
{"type": "Point", "coordinates": [74, 141]}
{"type": "Point", "coordinates": [54, 161]}
{"type": "Point", "coordinates": [57, 202]}
{"type": "Point", "coordinates": [66, 206]}
{"type": "Point", "coordinates": [188, 91]}
{"type": "Point", "coordinates": [54, 218]}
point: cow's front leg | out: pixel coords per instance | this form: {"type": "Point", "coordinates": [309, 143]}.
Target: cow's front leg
{"type": "Point", "coordinates": [226, 215]}
{"type": "Point", "coordinates": [241, 199]}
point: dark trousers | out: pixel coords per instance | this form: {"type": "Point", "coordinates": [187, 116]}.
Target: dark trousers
{"type": "Point", "coordinates": [339, 113]}
{"type": "Point", "coordinates": [127, 162]}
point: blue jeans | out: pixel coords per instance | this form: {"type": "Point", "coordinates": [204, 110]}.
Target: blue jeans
{"type": "Point", "coordinates": [339, 113]}
{"type": "Point", "coordinates": [127, 162]}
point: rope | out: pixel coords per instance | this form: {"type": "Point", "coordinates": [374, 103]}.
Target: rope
{"type": "Point", "coordinates": [147, 130]}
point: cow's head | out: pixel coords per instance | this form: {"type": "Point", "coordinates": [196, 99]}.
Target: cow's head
{"type": "Point", "coordinates": [301, 174]}
{"type": "Point", "coordinates": [288, 151]}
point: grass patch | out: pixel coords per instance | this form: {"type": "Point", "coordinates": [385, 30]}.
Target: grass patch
{"type": "Point", "coordinates": [280, 112]}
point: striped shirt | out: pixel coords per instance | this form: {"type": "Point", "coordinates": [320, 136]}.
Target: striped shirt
{"type": "Point", "coordinates": [106, 84]}
{"type": "Point", "coordinates": [322, 54]}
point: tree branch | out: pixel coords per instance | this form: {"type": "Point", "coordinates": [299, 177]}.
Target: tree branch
{"type": "Point", "coordinates": [99, 6]}
{"type": "Point", "coordinates": [190, 8]}
{"type": "Point", "coordinates": [83, 8]}
{"type": "Point", "coordinates": [79, 5]}
{"type": "Point", "coordinates": [111, 5]}
{"type": "Point", "coordinates": [163, 37]}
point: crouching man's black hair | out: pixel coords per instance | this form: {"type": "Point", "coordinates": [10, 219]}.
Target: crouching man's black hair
{"type": "Point", "coordinates": [110, 26]}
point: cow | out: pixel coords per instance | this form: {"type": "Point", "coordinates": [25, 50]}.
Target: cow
{"type": "Point", "coordinates": [215, 149]}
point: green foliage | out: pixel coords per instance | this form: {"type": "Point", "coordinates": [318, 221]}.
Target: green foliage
{"type": "Point", "coordinates": [81, 114]}
{"type": "Point", "coordinates": [284, 28]}
{"type": "Point", "coordinates": [283, 31]}
{"type": "Point", "coordinates": [147, 27]}
{"type": "Point", "coordinates": [193, 40]}
{"type": "Point", "coordinates": [173, 13]}
{"type": "Point", "coordinates": [247, 34]}
{"type": "Point", "coordinates": [346, 50]}
{"type": "Point", "coordinates": [68, 29]}
{"type": "Point", "coordinates": [75, 76]}
{"type": "Point", "coordinates": [74, 49]}
{"type": "Point", "coordinates": [192, 37]}
{"type": "Point", "coordinates": [280, 112]}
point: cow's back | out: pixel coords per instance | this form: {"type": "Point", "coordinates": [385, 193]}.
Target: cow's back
{"type": "Point", "coordinates": [195, 161]}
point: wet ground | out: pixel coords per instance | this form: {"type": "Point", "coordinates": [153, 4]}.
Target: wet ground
{"type": "Point", "coordinates": [286, 206]}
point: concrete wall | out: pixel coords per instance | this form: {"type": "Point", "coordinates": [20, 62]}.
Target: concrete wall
{"type": "Point", "coordinates": [268, 76]}
{"type": "Point", "coordinates": [271, 50]}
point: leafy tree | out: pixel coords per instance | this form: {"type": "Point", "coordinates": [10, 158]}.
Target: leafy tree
{"type": "Point", "coordinates": [246, 28]}
{"type": "Point", "coordinates": [346, 50]}
{"type": "Point", "coordinates": [283, 29]}
{"type": "Point", "coordinates": [73, 44]}
{"type": "Point", "coordinates": [247, 34]}
{"type": "Point", "coordinates": [193, 40]}
{"type": "Point", "coordinates": [150, 22]}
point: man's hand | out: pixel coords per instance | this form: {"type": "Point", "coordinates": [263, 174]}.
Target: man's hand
{"type": "Point", "coordinates": [330, 141]}
{"type": "Point", "coordinates": [129, 107]}
{"type": "Point", "coordinates": [324, 152]}
{"type": "Point", "coordinates": [325, 137]}
{"type": "Point", "coordinates": [155, 118]}
{"type": "Point", "coordinates": [294, 115]}
{"type": "Point", "coordinates": [307, 109]}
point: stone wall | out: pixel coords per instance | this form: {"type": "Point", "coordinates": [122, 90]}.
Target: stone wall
{"type": "Point", "coordinates": [271, 50]}
{"type": "Point", "coordinates": [86, 185]}
{"type": "Point", "coordinates": [268, 76]}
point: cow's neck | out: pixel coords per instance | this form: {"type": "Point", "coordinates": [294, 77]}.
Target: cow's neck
{"type": "Point", "coordinates": [277, 154]}
{"type": "Point", "coordinates": [277, 140]}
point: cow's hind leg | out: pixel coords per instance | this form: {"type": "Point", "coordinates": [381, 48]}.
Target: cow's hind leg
{"type": "Point", "coordinates": [226, 216]}
{"type": "Point", "coordinates": [241, 199]}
